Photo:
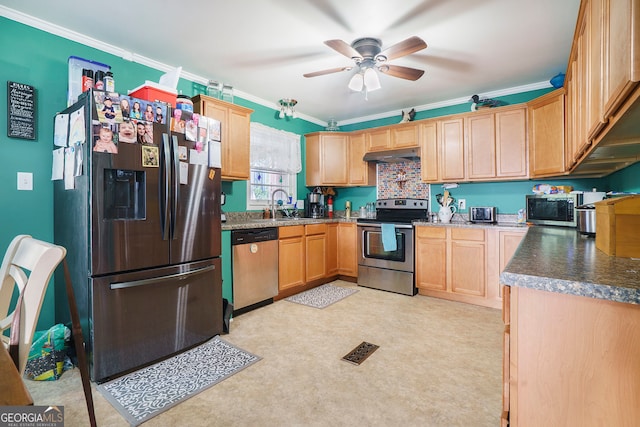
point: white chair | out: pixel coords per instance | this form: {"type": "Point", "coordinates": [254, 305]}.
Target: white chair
{"type": "Point", "coordinates": [28, 265]}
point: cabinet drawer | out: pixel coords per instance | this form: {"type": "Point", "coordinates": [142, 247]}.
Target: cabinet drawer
{"type": "Point", "coordinates": [291, 231]}
{"type": "Point", "coordinates": [431, 232]}
{"type": "Point", "coordinates": [312, 229]}
{"type": "Point", "coordinates": [467, 234]}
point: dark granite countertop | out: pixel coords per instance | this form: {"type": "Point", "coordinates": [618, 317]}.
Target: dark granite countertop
{"type": "Point", "coordinates": [559, 259]}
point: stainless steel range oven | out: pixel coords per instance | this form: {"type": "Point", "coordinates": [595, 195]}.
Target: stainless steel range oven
{"type": "Point", "coordinates": [386, 245]}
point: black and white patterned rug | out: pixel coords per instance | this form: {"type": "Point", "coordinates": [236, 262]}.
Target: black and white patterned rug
{"type": "Point", "coordinates": [145, 393]}
{"type": "Point", "coordinates": [321, 296]}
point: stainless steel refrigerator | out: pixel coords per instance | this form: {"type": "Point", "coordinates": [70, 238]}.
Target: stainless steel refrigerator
{"type": "Point", "coordinates": [143, 241]}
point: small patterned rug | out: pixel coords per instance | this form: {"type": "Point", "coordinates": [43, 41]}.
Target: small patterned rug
{"type": "Point", "coordinates": [322, 296]}
{"type": "Point", "coordinates": [145, 393]}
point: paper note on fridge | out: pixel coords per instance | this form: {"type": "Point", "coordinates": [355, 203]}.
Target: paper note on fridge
{"type": "Point", "coordinates": [184, 173]}
{"type": "Point", "coordinates": [57, 167]}
{"type": "Point", "coordinates": [198, 158]}
{"type": "Point", "coordinates": [215, 156]}
{"type": "Point", "coordinates": [60, 127]}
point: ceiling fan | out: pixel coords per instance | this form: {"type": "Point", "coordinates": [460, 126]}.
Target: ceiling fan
{"type": "Point", "coordinates": [368, 56]}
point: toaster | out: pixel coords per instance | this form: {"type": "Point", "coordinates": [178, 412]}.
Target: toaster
{"type": "Point", "coordinates": [483, 214]}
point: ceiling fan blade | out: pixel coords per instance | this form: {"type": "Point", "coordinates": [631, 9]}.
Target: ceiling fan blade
{"type": "Point", "coordinates": [344, 48]}
{"type": "Point", "coordinates": [410, 45]}
{"type": "Point", "coordinates": [402, 72]}
{"type": "Point", "coordinates": [329, 71]}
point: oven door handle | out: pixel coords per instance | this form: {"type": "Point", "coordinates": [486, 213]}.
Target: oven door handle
{"type": "Point", "coordinates": [379, 225]}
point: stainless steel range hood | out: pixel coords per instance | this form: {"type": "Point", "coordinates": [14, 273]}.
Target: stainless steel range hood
{"type": "Point", "coordinates": [392, 156]}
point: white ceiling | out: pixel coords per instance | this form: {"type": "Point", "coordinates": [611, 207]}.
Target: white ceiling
{"type": "Point", "coordinates": [263, 47]}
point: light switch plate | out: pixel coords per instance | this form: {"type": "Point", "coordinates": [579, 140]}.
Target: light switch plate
{"type": "Point", "coordinates": [25, 181]}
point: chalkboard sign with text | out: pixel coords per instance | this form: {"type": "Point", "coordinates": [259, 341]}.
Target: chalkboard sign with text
{"type": "Point", "coordinates": [21, 111]}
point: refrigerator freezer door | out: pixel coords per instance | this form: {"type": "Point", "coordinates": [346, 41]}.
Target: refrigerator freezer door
{"type": "Point", "coordinates": [145, 316]}
{"type": "Point", "coordinates": [126, 221]}
{"type": "Point", "coordinates": [196, 221]}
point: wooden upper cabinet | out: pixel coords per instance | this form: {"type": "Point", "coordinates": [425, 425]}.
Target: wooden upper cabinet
{"type": "Point", "coordinates": [546, 135]}
{"type": "Point", "coordinates": [481, 146]}
{"type": "Point", "coordinates": [595, 65]}
{"type": "Point", "coordinates": [429, 151]}
{"type": "Point", "coordinates": [451, 144]}
{"type": "Point", "coordinates": [235, 123]}
{"type": "Point", "coordinates": [378, 139]}
{"type": "Point", "coordinates": [621, 52]}
{"type": "Point", "coordinates": [335, 158]}
{"type": "Point", "coordinates": [326, 158]}
{"type": "Point", "coordinates": [405, 135]}
{"type": "Point", "coordinates": [360, 172]}
{"type": "Point", "coordinates": [511, 143]}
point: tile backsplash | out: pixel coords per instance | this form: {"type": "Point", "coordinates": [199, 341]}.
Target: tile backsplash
{"type": "Point", "coordinates": [401, 180]}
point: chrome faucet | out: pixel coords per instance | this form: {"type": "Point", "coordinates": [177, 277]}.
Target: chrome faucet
{"type": "Point", "coordinates": [273, 204]}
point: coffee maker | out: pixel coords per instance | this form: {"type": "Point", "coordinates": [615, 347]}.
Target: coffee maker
{"type": "Point", "coordinates": [314, 206]}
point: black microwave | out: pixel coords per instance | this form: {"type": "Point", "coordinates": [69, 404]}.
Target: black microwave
{"type": "Point", "coordinates": [552, 209]}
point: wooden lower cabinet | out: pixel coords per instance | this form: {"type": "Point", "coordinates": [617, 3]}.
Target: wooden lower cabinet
{"type": "Point", "coordinates": [431, 258]}
{"type": "Point", "coordinates": [348, 249]}
{"type": "Point", "coordinates": [571, 360]}
{"type": "Point", "coordinates": [463, 263]}
{"type": "Point", "coordinates": [332, 249]}
{"type": "Point", "coordinates": [451, 264]}
{"type": "Point", "coordinates": [316, 247]}
{"type": "Point", "coordinates": [291, 257]}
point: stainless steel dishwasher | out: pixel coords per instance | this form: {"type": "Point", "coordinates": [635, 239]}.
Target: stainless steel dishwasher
{"type": "Point", "coordinates": [255, 267]}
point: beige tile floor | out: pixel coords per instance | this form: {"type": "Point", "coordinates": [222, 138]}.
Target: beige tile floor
{"type": "Point", "coordinates": [439, 364]}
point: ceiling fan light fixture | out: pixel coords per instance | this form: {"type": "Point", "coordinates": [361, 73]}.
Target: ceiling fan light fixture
{"type": "Point", "coordinates": [371, 80]}
{"type": "Point", "coordinates": [357, 82]}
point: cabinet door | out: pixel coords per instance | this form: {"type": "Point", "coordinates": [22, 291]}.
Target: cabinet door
{"type": "Point", "coordinates": [595, 120]}
{"type": "Point", "coordinates": [481, 146]}
{"type": "Point", "coordinates": [405, 135]}
{"type": "Point", "coordinates": [378, 139]}
{"type": "Point", "coordinates": [468, 273]}
{"type": "Point", "coordinates": [546, 135]}
{"type": "Point", "coordinates": [511, 143]}
{"type": "Point", "coordinates": [333, 159]}
{"type": "Point", "coordinates": [348, 249]}
{"type": "Point", "coordinates": [238, 144]}
{"type": "Point", "coordinates": [622, 68]}
{"type": "Point", "coordinates": [360, 172]}
{"type": "Point", "coordinates": [468, 262]}
{"type": "Point", "coordinates": [312, 160]}
{"type": "Point", "coordinates": [431, 258]}
{"type": "Point", "coordinates": [429, 153]}
{"type": "Point", "coordinates": [332, 249]}
{"type": "Point", "coordinates": [291, 262]}
{"type": "Point", "coordinates": [316, 261]}
{"type": "Point", "coordinates": [451, 150]}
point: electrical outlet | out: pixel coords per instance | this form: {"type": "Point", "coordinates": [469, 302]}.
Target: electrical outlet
{"type": "Point", "coordinates": [462, 204]}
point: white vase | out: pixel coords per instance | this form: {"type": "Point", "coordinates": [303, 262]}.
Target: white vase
{"type": "Point", "coordinates": [446, 213]}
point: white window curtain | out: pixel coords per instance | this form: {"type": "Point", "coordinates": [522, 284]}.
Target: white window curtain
{"type": "Point", "coordinates": [274, 150]}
